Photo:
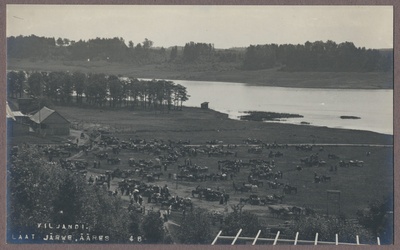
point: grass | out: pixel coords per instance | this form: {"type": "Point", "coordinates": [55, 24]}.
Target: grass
{"type": "Point", "coordinates": [221, 72]}
{"type": "Point", "coordinates": [200, 125]}
{"type": "Point", "coordinates": [358, 185]}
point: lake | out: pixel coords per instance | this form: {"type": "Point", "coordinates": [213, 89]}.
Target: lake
{"type": "Point", "coordinates": [320, 107]}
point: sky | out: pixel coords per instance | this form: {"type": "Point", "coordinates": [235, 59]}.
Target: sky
{"type": "Point", "coordinates": [224, 26]}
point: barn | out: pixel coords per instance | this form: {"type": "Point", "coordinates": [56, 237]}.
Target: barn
{"type": "Point", "coordinates": [50, 122]}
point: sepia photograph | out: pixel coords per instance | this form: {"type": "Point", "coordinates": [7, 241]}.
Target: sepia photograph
{"type": "Point", "coordinates": [199, 124]}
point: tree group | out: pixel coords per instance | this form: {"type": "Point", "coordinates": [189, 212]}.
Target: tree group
{"type": "Point", "coordinates": [98, 90]}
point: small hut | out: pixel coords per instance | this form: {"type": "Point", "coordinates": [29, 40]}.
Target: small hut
{"type": "Point", "coordinates": [204, 105]}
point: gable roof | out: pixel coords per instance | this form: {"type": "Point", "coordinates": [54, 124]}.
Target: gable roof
{"type": "Point", "coordinates": [9, 113]}
{"type": "Point", "coordinates": [43, 114]}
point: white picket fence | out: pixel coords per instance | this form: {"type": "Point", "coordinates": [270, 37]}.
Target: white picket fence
{"type": "Point", "coordinates": [277, 240]}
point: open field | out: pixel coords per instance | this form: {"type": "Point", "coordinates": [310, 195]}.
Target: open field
{"type": "Point", "coordinates": [358, 185]}
{"type": "Point", "coordinates": [220, 72]}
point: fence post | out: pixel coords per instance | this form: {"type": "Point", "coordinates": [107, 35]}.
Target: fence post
{"type": "Point", "coordinates": [297, 237]}
{"type": "Point", "coordinates": [255, 239]}
{"type": "Point", "coordinates": [216, 238]}
{"type": "Point", "coordinates": [378, 240]}
{"type": "Point", "coordinates": [358, 240]}
{"type": "Point", "coordinates": [337, 239]}
{"type": "Point", "coordinates": [237, 235]}
{"type": "Point", "coordinates": [316, 239]}
{"type": "Point", "coordinates": [276, 237]}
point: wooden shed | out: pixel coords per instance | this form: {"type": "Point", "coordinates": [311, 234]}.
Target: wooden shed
{"type": "Point", "coordinates": [204, 105]}
{"type": "Point", "coordinates": [48, 121]}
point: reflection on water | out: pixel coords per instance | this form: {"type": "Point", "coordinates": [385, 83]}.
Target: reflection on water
{"type": "Point", "coordinates": [320, 107]}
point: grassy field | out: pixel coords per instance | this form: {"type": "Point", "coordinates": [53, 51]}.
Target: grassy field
{"type": "Point", "coordinates": [358, 185]}
{"type": "Point", "coordinates": [200, 125]}
{"type": "Point", "coordinates": [218, 72]}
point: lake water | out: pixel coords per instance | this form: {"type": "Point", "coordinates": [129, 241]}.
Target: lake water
{"type": "Point", "coordinates": [320, 107]}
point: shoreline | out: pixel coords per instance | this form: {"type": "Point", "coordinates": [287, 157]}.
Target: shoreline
{"type": "Point", "coordinates": [267, 77]}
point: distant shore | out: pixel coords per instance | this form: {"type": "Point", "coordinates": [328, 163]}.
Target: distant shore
{"type": "Point", "coordinates": [267, 116]}
{"type": "Point", "coordinates": [222, 73]}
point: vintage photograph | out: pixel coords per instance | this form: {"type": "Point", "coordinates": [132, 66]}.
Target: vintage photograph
{"type": "Point", "coordinates": [200, 124]}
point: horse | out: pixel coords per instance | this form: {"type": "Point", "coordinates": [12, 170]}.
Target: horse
{"type": "Point", "coordinates": [333, 156]}
{"type": "Point", "coordinates": [131, 162]}
{"type": "Point", "coordinates": [254, 188]}
{"type": "Point", "coordinates": [278, 197]}
{"type": "Point", "coordinates": [278, 175]}
{"type": "Point", "coordinates": [309, 211]}
{"type": "Point", "coordinates": [317, 179]}
{"type": "Point", "coordinates": [113, 160]}
{"type": "Point", "coordinates": [288, 189]}
{"type": "Point", "coordinates": [275, 212]}
{"type": "Point", "coordinates": [199, 191]}
{"type": "Point", "coordinates": [297, 210]}
{"type": "Point", "coordinates": [150, 178]}
{"type": "Point", "coordinates": [254, 200]}
{"type": "Point", "coordinates": [157, 167]}
{"type": "Point", "coordinates": [157, 175]}
{"type": "Point", "coordinates": [243, 200]}
{"type": "Point", "coordinates": [356, 163]}
{"type": "Point", "coordinates": [325, 178]}
{"type": "Point", "coordinates": [102, 156]}
{"type": "Point", "coordinates": [258, 183]}
{"type": "Point", "coordinates": [238, 189]}
{"type": "Point", "coordinates": [344, 164]}
{"type": "Point", "coordinates": [273, 185]}
{"type": "Point", "coordinates": [156, 197]}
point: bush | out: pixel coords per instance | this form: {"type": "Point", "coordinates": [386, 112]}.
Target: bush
{"type": "Point", "coordinates": [377, 219]}
{"type": "Point", "coordinates": [153, 228]}
{"type": "Point", "coordinates": [236, 220]}
{"type": "Point", "coordinates": [327, 227]}
{"type": "Point", "coordinates": [196, 227]}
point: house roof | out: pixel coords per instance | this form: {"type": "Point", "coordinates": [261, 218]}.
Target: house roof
{"type": "Point", "coordinates": [18, 114]}
{"type": "Point", "coordinates": [9, 112]}
{"type": "Point", "coordinates": [43, 114]}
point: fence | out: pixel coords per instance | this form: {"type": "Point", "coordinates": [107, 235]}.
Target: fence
{"type": "Point", "coordinates": [277, 240]}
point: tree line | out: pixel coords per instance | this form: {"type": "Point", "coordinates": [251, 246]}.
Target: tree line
{"type": "Point", "coordinates": [114, 50]}
{"type": "Point", "coordinates": [107, 49]}
{"type": "Point", "coordinates": [98, 90]}
{"type": "Point", "coordinates": [317, 56]}
{"type": "Point", "coordinates": [310, 56]}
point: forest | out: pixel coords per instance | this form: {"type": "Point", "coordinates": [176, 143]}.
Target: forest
{"type": "Point", "coordinates": [319, 56]}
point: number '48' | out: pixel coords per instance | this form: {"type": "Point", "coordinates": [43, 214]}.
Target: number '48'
{"type": "Point", "coordinates": [135, 239]}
